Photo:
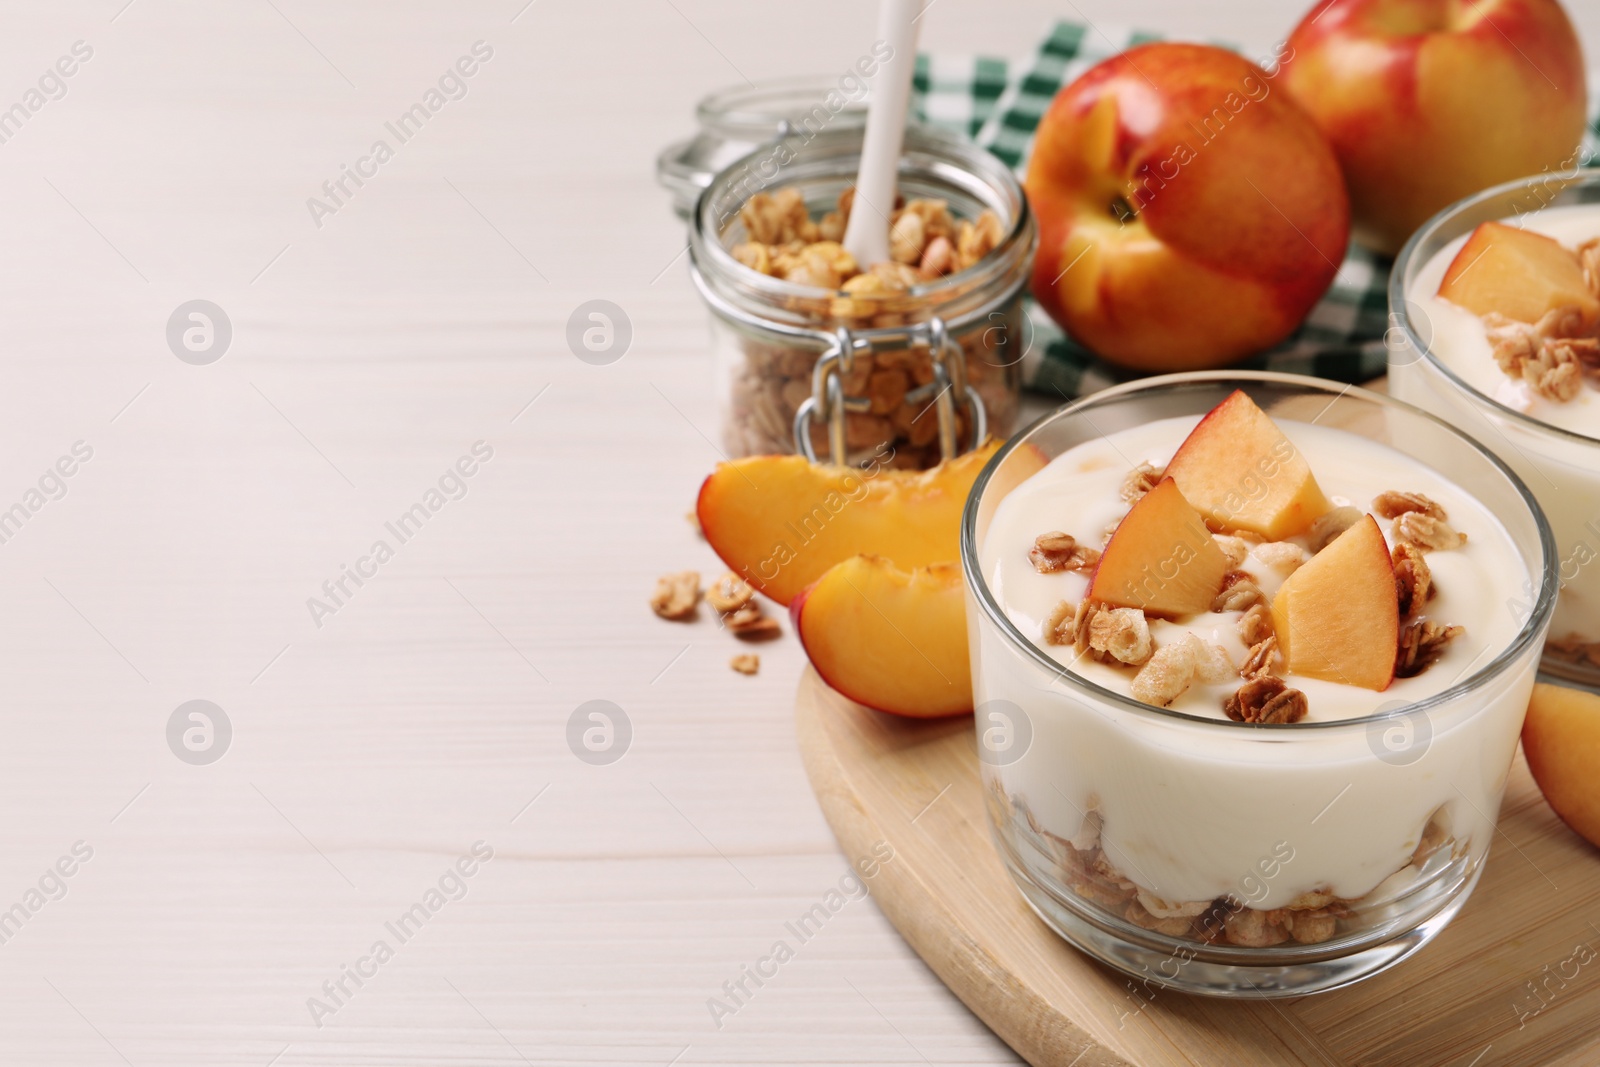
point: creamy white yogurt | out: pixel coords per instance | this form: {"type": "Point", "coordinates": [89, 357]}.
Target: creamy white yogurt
{"type": "Point", "coordinates": [1188, 811]}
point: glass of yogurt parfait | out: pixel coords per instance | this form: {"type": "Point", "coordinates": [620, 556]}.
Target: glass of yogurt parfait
{"type": "Point", "coordinates": [1495, 327]}
{"type": "Point", "coordinates": [1248, 686]}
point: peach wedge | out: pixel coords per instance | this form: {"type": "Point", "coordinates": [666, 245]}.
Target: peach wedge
{"type": "Point", "coordinates": [780, 522]}
{"type": "Point", "coordinates": [1338, 616]}
{"type": "Point", "coordinates": [1561, 738]}
{"type": "Point", "coordinates": [1242, 473]}
{"type": "Point", "coordinates": [1517, 273]}
{"type": "Point", "coordinates": [891, 639]}
{"type": "Point", "coordinates": [1160, 558]}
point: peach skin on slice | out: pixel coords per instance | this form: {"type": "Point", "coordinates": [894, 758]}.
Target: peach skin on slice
{"type": "Point", "coordinates": [1161, 558]}
{"type": "Point", "coordinates": [1338, 615]}
{"type": "Point", "coordinates": [1561, 738]}
{"type": "Point", "coordinates": [891, 639]}
{"type": "Point", "coordinates": [1519, 274]}
{"type": "Point", "coordinates": [1242, 473]}
{"type": "Point", "coordinates": [780, 522]}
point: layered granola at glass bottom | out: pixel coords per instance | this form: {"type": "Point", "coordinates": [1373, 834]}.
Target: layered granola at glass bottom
{"type": "Point", "coordinates": [927, 244]}
{"type": "Point", "coordinates": [1263, 574]}
{"type": "Point", "coordinates": [1513, 309]}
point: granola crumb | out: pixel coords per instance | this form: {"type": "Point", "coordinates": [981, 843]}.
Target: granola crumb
{"type": "Point", "coordinates": [1310, 927]}
{"type": "Point", "coordinates": [676, 596]}
{"type": "Point", "coordinates": [1413, 578]}
{"type": "Point", "coordinates": [1172, 926]}
{"type": "Point", "coordinates": [1234, 549]}
{"type": "Point", "coordinates": [748, 623]}
{"type": "Point", "coordinates": [1266, 700]}
{"type": "Point", "coordinates": [1426, 532]}
{"type": "Point", "coordinates": [1123, 634]}
{"type": "Point", "coordinates": [1060, 626]}
{"type": "Point", "coordinates": [1240, 592]}
{"type": "Point", "coordinates": [692, 517]}
{"type": "Point", "coordinates": [729, 593]}
{"type": "Point", "coordinates": [1173, 668]}
{"type": "Point", "coordinates": [1255, 625]}
{"type": "Point", "coordinates": [747, 663]}
{"type": "Point", "coordinates": [1575, 648]}
{"type": "Point", "coordinates": [1253, 928]}
{"type": "Point", "coordinates": [1140, 481]}
{"type": "Point", "coordinates": [1281, 556]}
{"type": "Point", "coordinates": [1261, 660]}
{"type": "Point", "coordinates": [1393, 504]}
{"type": "Point", "coordinates": [1421, 644]}
{"type": "Point", "coordinates": [1549, 356]}
{"type": "Point", "coordinates": [1108, 634]}
{"type": "Point", "coordinates": [1327, 528]}
{"type": "Point", "coordinates": [1057, 551]}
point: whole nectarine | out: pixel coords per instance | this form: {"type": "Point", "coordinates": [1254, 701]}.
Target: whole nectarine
{"type": "Point", "coordinates": [1189, 212]}
{"type": "Point", "coordinates": [1429, 101]}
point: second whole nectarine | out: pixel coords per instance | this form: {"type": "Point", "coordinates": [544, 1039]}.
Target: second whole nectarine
{"type": "Point", "coordinates": [1190, 213]}
{"type": "Point", "coordinates": [1429, 101]}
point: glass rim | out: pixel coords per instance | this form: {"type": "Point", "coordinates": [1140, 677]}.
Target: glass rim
{"type": "Point", "coordinates": [972, 574]}
{"type": "Point", "coordinates": [706, 246]}
{"type": "Point", "coordinates": [747, 107]}
{"type": "Point", "coordinates": [1401, 316]}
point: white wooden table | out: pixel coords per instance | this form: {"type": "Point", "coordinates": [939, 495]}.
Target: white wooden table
{"type": "Point", "coordinates": [428, 711]}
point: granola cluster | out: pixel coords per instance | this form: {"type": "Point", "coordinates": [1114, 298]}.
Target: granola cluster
{"type": "Point", "coordinates": [927, 243]}
{"type": "Point", "coordinates": [677, 598]}
{"type": "Point", "coordinates": [1420, 526]}
{"type": "Point", "coordinates": [1574, 648]}
{"type": "Point", "coordinates": [1551, 355]}
{"type": "Point", "coordinates": [1057, 551]}
{"type": "Point", "coordinates": [1311, 918]}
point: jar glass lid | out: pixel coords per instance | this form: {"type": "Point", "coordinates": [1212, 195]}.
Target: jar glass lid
{"type": "Point", "coordinates": [735, 120]}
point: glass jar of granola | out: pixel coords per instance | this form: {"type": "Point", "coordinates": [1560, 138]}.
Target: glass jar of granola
{"type": "Point", "coordinates": [909, 361]}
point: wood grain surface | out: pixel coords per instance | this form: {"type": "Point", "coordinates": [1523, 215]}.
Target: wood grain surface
{"type": "Point", "coordinates": [1466, 999]}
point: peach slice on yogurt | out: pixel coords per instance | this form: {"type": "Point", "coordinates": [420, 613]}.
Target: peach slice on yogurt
{"type": "Point", "coordinates": [1242, 473]}
{"type": "Point", "coordinates": [1338, 616]}
{"type": "Point", "coordinates": [1519, 274]}
{"type": "Point", "coordinates": [1161, 558]}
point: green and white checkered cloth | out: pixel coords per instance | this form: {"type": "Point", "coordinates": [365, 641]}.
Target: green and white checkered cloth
{"type": "Point", "coordinates": [999, 105]}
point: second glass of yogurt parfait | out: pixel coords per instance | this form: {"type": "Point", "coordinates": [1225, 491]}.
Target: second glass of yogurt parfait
{"type": "Point", "coordinates": [1449, 360]}
{"type": "Point", "coordinates": [1264, 826]}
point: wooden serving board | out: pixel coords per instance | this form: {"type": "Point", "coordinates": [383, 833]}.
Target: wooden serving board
{"type": "Point", "coordinates": [1467, 999]}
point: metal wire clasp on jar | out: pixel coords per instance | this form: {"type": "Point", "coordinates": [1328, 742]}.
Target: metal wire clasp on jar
{"type": "Point", "coordinates": [809, 360]}
{"type": "Point", "coordinates": [828, 403]}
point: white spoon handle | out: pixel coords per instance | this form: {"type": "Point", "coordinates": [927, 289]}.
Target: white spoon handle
{"type": "Point", "coordinates": [866, 237]}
